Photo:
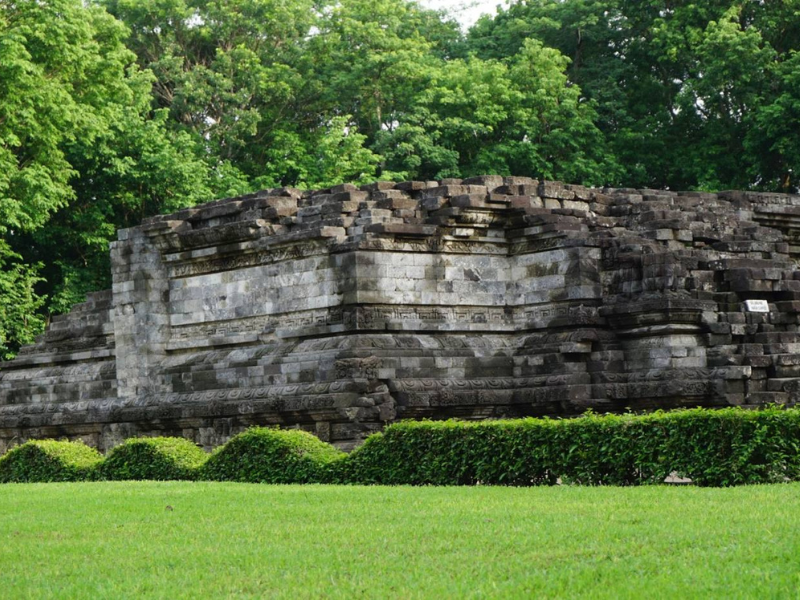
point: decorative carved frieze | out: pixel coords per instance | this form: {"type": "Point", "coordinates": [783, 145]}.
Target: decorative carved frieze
{"type": "Point", "coordinates": [231, 262]}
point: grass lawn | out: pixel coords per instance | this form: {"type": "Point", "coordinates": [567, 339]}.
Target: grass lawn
{"type": "Point", "coordinates": [114, 540]}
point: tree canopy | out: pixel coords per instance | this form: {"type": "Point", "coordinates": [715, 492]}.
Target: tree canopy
{"type": "Point", "coordinates": [112, 110]}
{"type": "Point", "coordinates": [689, 95]}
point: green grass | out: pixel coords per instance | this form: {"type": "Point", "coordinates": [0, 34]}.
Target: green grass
{"type": "Point", "coordinates": [115, 540]}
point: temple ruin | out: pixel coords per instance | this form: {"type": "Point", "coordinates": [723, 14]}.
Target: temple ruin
{"type": "Point", "coordinates": [341, 310]}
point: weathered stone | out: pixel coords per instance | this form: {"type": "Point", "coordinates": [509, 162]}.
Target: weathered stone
{"type": "Point", "coordinates": [342, 310]}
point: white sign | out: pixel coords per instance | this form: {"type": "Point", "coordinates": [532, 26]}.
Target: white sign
{"type": "Point", "coordinates": [760, 306]}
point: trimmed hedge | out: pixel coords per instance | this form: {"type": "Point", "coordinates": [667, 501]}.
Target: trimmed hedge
{"type": "Point", "coordinates": [157, 458]}
{"type": "Point", "coordinates": [264, 455]}
{"type": "Point", "coordinates": [711, 447]}
{"type": "Point", "coordinates": [48, 460]}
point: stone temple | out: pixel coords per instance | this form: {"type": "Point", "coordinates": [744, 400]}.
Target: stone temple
{"type": "Point", "coordinates": [341, 310]}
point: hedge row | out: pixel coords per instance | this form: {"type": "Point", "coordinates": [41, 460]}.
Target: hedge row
{"type": "Point", "coordinates": [711, 447]}
{"type": "Point", "coordinates": [259, 455]}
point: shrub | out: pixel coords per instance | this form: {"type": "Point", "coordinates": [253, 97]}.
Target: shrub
{"type": "Point", "coordinates": [733, 447]}
{"type": "Point", "coordinates": [48, 460]}
{"type": "Point", "coordinates": [158, 458]}
{"type": "Point", "coordinates": [453, 453]}
{"type": "Point", "coordinates": [264, 455]}
{"type": "Point", "coordinates": [712, 447]}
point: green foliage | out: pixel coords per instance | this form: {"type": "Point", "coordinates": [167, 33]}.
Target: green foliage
{"type": "Point", "coordinates": [689, 95]}
{"type": "Point", "coordinates": [48, 460]}
{"type": "Point", "coordinates": [81, 154]}
{"type": "Point", "coordinates": [19, 303]}
{"type": "Point", "coordinates": [711, 447]}
{"type": "Point", "coordinates": [333, 154]}
{"type": "Point", "coordinates": [235, 77]}
{"type": "Point", "coordinates": [158, 458]}
{"type": "Point", "coordinates": [723, 447]}
{"type": "Point", "coordinates": [376, 58]}
{"type": "Point", "coordinates": [519, 117]}
{"type": "Point", "coordinates": [264, 455]}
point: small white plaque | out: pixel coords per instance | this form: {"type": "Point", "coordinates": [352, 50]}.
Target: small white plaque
{"type": "Point", "coordinates": [760, 306]}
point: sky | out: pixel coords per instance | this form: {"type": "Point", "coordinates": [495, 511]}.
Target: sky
{"type": "Point", "coordinates": [465, 11]}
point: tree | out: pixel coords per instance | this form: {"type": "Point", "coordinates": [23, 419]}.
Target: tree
{"type": "Point", "coordinates": [20, 320]}
{"type": "Point", "coordinates": [237, 77]}
{"type": "Point", "coordinates": [519, 116]}
{"type": "Point", "coordinates": [772, 137]}
{"type": "Point", "coordinates": [684, 92]}
{"type": "Point", "coordinates": [80, 155]}
{"type": "Point", "coordinates": [375, 60]}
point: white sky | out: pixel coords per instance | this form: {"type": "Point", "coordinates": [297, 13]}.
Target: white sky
{"type": "Point", "coordinates": [465, 12]}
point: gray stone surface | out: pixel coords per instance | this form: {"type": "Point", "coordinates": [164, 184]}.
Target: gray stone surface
{"type": "Point", "coordinates": [340, 310]}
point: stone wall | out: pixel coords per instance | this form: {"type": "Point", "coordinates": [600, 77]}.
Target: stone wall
{"type": "Point", "coordinates": [340, 310]}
